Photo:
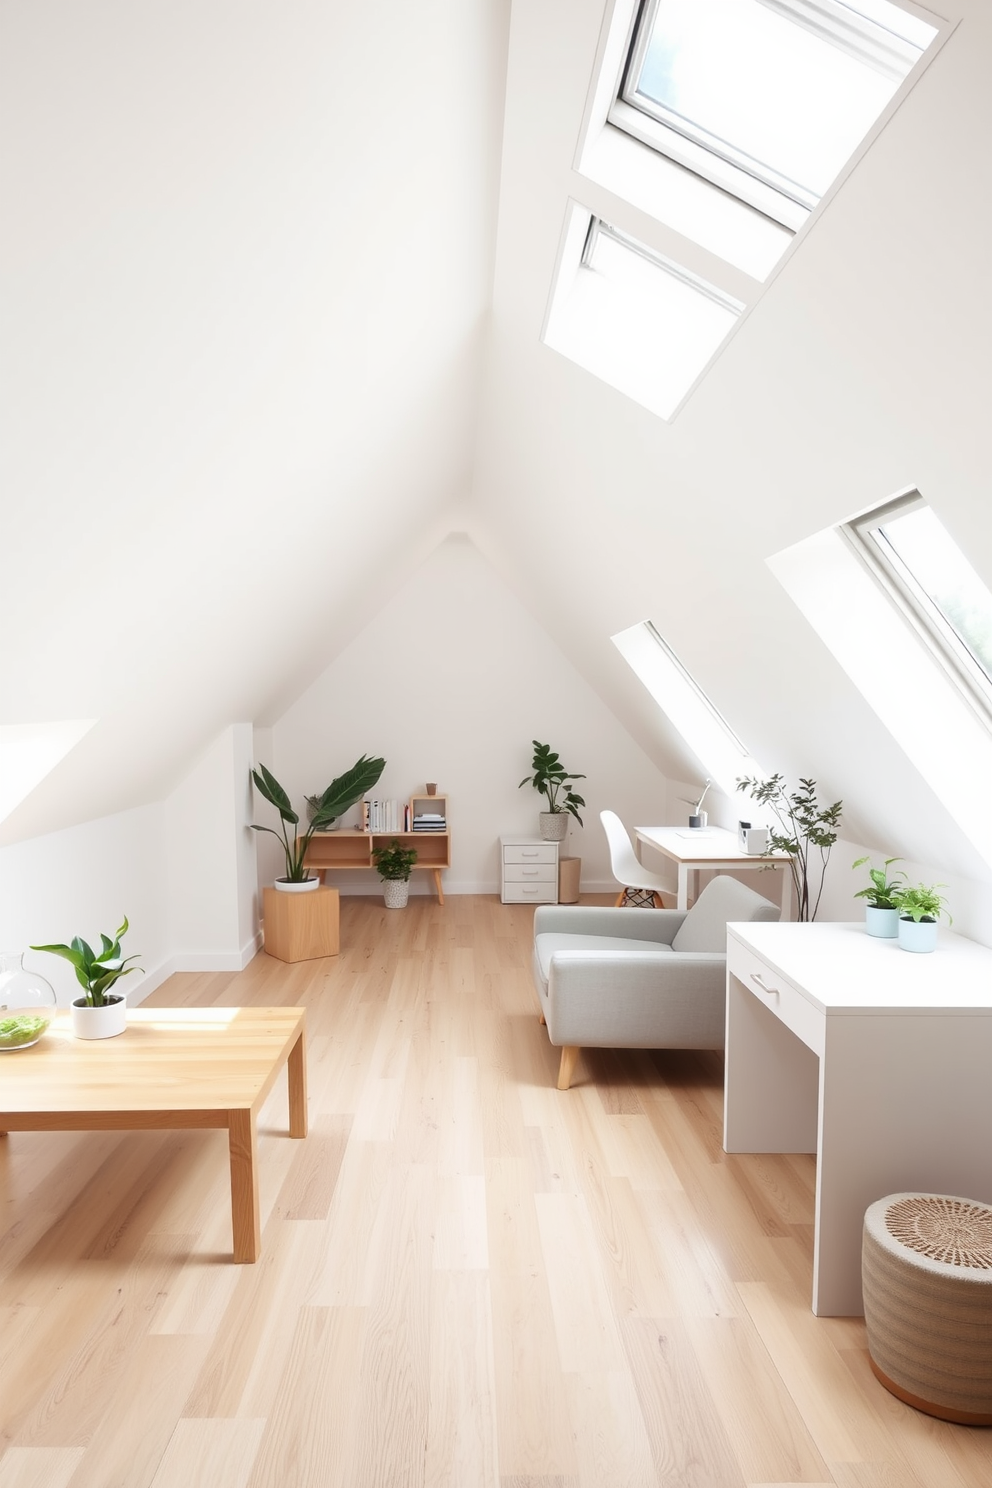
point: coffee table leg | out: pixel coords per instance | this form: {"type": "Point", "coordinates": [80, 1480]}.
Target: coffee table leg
{"type": "Point", "coordinates": [245, 1221]}
{"type": "Point", "coordinates": [296, 1073]}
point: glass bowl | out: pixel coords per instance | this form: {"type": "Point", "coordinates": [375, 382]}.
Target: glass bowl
{"type": "Point", "coordinates": [27, 1003]}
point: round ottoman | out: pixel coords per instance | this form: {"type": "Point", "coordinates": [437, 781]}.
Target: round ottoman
{"type": "Point", "coordinates": [926, 1266]}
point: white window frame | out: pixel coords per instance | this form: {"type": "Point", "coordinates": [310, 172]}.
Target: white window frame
{"type": "Point", "coordinates": [904, 591]}
{"type": "Point", "coordinates": [720, 161]}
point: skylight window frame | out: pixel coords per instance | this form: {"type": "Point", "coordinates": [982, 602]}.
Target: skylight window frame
{"type": "Point", "coordinates": [719, 161]}
{"type": "Point", "coordinates": [599, 227]}
{"type": "Point", "coordinates": [907, 594]}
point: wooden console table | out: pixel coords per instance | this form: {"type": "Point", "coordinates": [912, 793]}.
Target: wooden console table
{"type": "Point", "coordinates": [172, 1067]}
{"type": "Point", "coordinates": [350, 850]}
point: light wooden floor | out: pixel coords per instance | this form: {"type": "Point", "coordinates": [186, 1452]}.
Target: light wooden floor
{"type": "Point", "coordinates": [467, 1278]}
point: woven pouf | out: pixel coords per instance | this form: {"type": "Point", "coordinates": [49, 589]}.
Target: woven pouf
{"type": "Point", "coordinates": [926, 1266]}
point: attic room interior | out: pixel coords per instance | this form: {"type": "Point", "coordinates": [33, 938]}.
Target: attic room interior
{"type": "Point", "coordinates": [325, 436]}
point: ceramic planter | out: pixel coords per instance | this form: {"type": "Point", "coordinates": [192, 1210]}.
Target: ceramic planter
{"type": "Point", "coordinates": [554, 825]}
{"type": "Point", "coordinates": [396, 892]}
{"type": "Point", "coordinates": [881, 922]}
{"type": "Point", "coordinates": [100, 1022]}
{"type": "Point", "coordinates": [307, 886]}
{"type": "Point", "coordinates": [918, 935]}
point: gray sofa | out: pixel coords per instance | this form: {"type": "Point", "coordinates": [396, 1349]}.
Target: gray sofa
{"type": "Point", "coordinates": [638, 978]}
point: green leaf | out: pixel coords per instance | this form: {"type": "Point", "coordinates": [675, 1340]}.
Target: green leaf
{"type": "Point", "coordinates": [268, 786]}
{"type": "Point", "coordinates": [346, 789]}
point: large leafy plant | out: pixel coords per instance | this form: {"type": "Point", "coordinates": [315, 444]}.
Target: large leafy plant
{"type": "Point", "coordinates": [922, 902]}
{"type": "Point", "coordinates": [339, 797]}
{"type": "Point", "coordinates": [883, 891]}
{"type": "Point", "coordinates": [553, 781]}
{"type": "Point", "coordinates": [96, 971]}
{"type": "Point", "coordinates": [806, 831]}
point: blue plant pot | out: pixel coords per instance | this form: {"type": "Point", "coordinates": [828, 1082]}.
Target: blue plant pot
{"type": "Point", "coordinates": [918, 935]}
{"type": "Point", "coordinates": [881, 922]}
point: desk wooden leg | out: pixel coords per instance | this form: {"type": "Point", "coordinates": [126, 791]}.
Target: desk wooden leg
{"type": "Point", "coordinates": [437, 885]}
{"type": "Point", "coordinates": [682, 902]}
{"type": "Point", "coordinates": [296, 1071]}
{"type": "Point", "coordinates": [245, 1221]}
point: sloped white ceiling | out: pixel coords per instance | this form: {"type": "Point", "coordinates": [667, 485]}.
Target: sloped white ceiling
{"type": "Point", "coordinates": [249, 316]}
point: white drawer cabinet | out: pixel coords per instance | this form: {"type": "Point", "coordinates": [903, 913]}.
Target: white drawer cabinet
{"type": "Point", "coordinates": [528, 871]}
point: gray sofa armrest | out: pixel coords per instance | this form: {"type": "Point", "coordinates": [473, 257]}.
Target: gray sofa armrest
{"type": "Point", "coordinates": [661, 925]}
{"type": "Point", "coordinates": [635, 1000]}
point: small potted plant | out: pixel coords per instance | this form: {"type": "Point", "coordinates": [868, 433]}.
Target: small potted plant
{"type": "Point", "coordinates": [338, 798]}
{"type": "Point", "coordinates": [100, 1013]}
{"type": "Point", "coordinates": [920, 908]}
{"type": "Point", "coordinates": [394, 863]}
{"type": "Point", "coordinates": [881, 905]}
{"type": "Point", "coordinates": [555, 783]}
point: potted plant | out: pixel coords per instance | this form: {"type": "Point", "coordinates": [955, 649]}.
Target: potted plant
{"type": "Point", "coordinates": [806, 831]}
{"type": "Point", "coordinates": [881, 906]}
{"type": "Point", "coordinates": [555, 783]}
{"type": "Point", "coordinates": [394, 863]}
{"type": "Point", "coordinates": [100, 1013]}
{"type": "Point", "coordinates": [339, 797]}
{"type": "Point", "coordinates": [920, 908]}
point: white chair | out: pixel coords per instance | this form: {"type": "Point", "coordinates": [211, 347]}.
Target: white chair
{"type": "Point", "coordinates": [640, 886]}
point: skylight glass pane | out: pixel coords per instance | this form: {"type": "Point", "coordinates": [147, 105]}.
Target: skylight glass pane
{"type": "Point", "coordinates": [639, 322]}
{"type": "Point", "coordinates": [784, 89]}
{"type": "Point", "coordinates": [932, 560]}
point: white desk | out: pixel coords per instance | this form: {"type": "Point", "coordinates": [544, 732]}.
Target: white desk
{"type": "Point", "coordinates": [712, 847]}
{"type": "Point", "coordinates": [877, 1060]}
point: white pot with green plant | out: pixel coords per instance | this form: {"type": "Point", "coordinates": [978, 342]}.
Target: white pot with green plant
{"type": "Point", "coordinates": [554, 783]}
{"type": "Point", "coordinates": [100, 1012]}
{"type": "Point", "coordinates": [881, 903]}
{"type": "Point", "coordinates": [394, 863]}
{"type": "Point", "coordinates": [920, 908]}
{"type": "Point", "coordinates": [806, 831]}
{"type": "Point", "coordinates": [339, 797]}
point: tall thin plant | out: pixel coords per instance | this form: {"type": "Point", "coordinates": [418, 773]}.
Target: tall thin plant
{"type": "Point", "coordinates": [806, 831]}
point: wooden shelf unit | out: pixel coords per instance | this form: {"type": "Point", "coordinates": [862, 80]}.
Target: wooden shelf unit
{"type": "Point", "coordinates": [349, 849]}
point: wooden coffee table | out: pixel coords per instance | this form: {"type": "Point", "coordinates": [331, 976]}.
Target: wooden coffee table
{"type": "Point", "coordinates": [173, 1067]}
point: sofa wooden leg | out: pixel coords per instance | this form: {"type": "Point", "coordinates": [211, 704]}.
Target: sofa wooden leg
{"type": "Point", "coordinates": [569, 1059]}
{"type": "Point", "coordinates": [543, 1020]}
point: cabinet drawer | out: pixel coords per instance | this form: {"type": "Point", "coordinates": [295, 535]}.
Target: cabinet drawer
{"type": "Point", "coordinates": [529, 872]}
{"type": "Point", "coordinates": [545, 892]}
{"type": "Point", "coordinates": [777, 994]}
{"type": "Point", "coordinates": [530, 852]}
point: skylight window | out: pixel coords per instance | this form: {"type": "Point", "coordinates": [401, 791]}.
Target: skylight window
{"type": "Point", "coordinates": [766, 98]}
{"type": "Point", "coordinates": [632, 317]}
{"type": "Point", "coordinates": [685, 704]}
{"type": "Point", "coordinates": [919, 563]}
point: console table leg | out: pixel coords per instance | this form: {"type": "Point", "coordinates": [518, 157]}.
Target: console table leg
{"type": "Point", "coordinates": [437, 885]}
{"type": "Point", "coordinates": [296, 1072]}
{"type": "Point", "coordinates": [245, 1221]}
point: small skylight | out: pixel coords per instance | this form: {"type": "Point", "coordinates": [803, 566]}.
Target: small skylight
{"type": "Point", "coordinates": [917, 560]}
{"type": "Point", "coordinates": [685, 704]}
{"type": "Point", "coordinates": [633, 318]}
{"type": "Point", "coordinates": [766, 98]}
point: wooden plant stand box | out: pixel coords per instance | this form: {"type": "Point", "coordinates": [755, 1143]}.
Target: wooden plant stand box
{"type": "Point", "coordinates": [301, 927]}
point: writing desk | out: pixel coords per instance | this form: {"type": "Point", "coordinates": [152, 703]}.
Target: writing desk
{"type": "Point", "coordinates": [712, 847]}
{"type": "Point", "coordinates": [876, 1059]}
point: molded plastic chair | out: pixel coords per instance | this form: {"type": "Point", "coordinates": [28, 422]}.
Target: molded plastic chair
{"type": "Point", "coordinates": [640, 885]}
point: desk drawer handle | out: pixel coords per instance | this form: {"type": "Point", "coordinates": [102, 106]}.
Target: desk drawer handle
{"type": "Point", "coordinates": [756, 978]}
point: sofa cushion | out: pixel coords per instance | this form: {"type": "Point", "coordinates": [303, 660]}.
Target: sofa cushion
{"type": "Point", "coordinates": [546, 945]}
{"type": "Point", "coordinates": [705, 926]}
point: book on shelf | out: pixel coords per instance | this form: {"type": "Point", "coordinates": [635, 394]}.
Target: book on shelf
{"type": "Point", "coordinates": [380, 816]}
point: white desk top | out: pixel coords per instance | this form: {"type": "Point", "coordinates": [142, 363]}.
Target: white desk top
{"type": "Point", "coordinates": [840, 968]}
{"type": "Point", "coordinates": [701, 845]}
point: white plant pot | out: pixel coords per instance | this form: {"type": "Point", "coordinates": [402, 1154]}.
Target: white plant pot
{"type": "Point", "coordinates": [918, 935]}
{"type": "Point", "coordinates": [99, 1022]}
{"type": "Point", "coordinates": [307, 886]}
{"type": "Point", "coordinates": [881, 922]}
{"type": "Point", "coordinates": [554, 825]}
{"type": "Point", "coordinates": [396, 892]}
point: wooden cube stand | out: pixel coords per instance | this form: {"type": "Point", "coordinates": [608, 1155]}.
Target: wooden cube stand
{"type": "Point", "coordinates": [301, 927]}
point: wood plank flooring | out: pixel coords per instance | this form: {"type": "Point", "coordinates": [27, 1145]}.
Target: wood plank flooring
{"type": "Point", "coordinates": [467, 1278]}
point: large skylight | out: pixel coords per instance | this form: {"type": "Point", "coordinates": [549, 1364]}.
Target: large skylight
{"type": "Point", "coordinates": [685, 704]}
{"type": "Point", "coordinates": [918, 561]}
{"type": "Point", "coordinates": [633, 318]}
{"type": "Point", "coordinates": [767, 98]}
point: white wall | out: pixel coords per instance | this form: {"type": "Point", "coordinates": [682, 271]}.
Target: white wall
{"type": "Point", "coordinates": [211, 860]}
{"type": "Point", "coordinates": [83, 881]}
{"type": "Point", "coordinates": [451, 682]}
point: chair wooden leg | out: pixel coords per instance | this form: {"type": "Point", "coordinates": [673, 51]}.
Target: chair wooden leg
{"type": "Point", "coordinates": [569, 1058]}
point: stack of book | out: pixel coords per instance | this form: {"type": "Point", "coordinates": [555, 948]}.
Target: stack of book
{"type": "Point", "coordinates": [429, 821]}
{"type": "Point", "coordinates": [380, 816]}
